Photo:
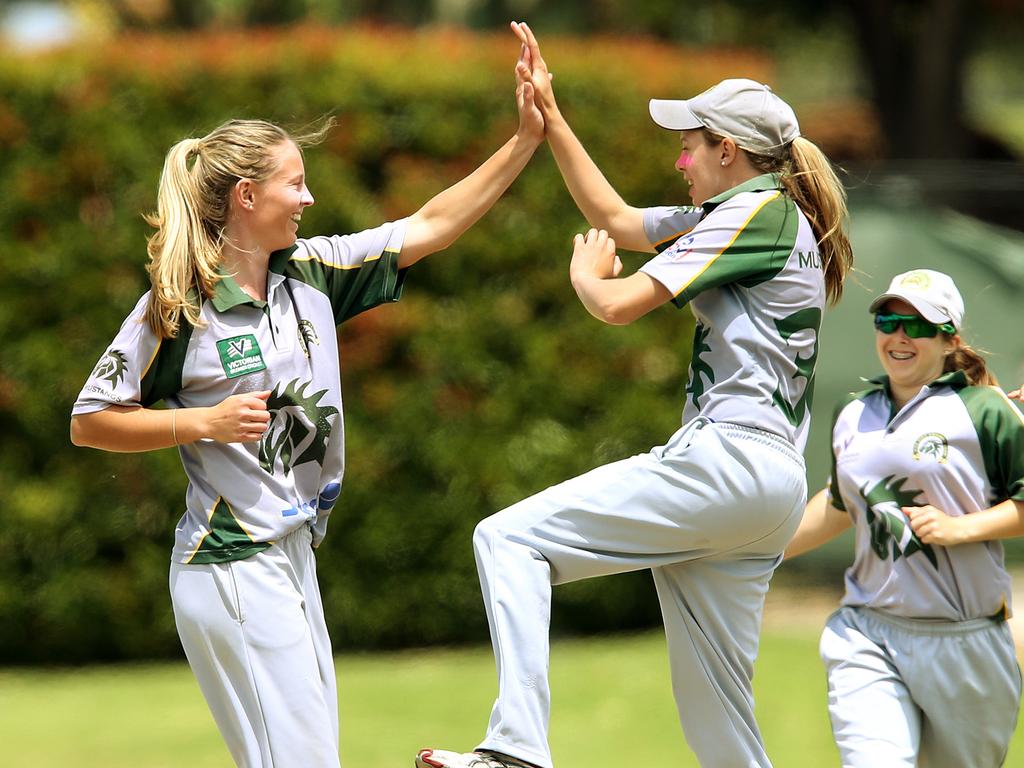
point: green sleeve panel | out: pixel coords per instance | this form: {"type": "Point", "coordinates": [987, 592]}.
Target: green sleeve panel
{"type": "Point", "coordinates": [1000, 429]}
{"type": "Point", "coordinates": [752, 251]}
{"type": "Point", "coordinates": [163, 376]}
{"type": "Point", "coordinates": [352, 288]}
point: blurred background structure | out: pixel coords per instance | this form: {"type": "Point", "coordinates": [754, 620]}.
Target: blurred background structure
{"type": "Point", "coordinates": [487, 381]}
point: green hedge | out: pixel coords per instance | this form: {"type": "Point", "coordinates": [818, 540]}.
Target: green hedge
{"type": "Point", "coordinates": [486, 383]}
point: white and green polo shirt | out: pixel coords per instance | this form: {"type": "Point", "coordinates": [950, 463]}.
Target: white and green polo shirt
{"type": "Point", "coordinates": [747, 263]}
{"type": "Point", "coordinates": [957, 447]}
{"type": "Point", "coordinates": [243, 496]}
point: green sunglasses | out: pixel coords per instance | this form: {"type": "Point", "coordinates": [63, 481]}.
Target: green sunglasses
{"type": "Point", "coordinates": [915, 327]}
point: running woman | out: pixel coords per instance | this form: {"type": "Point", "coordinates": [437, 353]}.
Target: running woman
{"type": "Point", "coordinates": [928, 467]}
{"type": "Point", "coordinates": [756, 257]}
{"type": "Point", "coordinates": [237, 338]}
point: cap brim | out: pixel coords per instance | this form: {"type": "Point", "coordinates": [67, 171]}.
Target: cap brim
{"type": "Point", "coordinates": [674, 115]}
{"type": "Point", "coordinates": [927, 310]}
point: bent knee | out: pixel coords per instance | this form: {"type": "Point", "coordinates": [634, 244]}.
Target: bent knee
{"type": "Point", "coordinates": [485, 534]}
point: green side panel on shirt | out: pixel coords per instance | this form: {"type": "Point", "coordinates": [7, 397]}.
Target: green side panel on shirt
{"type": "Point", "coordinates": [807, 319]}
{"type": "Point", "coordinates": [833, 481]}
{"type": "Point", "coordinates": [758, 253]}
{"type": "Point", "coordinates": [1001, 438]}
{"type": "Point", "coordinates": [353, 289]}
{"type": "Point", "coordinates": [163, 379]}
{"type": "Point", "coordinates": [226, 540]}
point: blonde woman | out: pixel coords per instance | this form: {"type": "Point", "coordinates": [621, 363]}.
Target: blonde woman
{"type": "Point", "coordinates": [757, 258]}
{"type": "Point", "coordinates": [237, 338]}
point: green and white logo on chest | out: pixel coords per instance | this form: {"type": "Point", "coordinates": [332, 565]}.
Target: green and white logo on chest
{"type": "Point", "coordinates": [240, 355]}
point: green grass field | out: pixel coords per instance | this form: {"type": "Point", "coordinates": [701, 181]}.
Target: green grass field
{"type": "Point", "coordinates": [612, 706]}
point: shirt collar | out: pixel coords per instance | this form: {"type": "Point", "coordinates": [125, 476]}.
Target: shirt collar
{"type": "Point", "coordinates": [954, 379]}
{"type": "Point", "coordinates": [227, 294]}
{"type": "Point", "coordinates": [760, 183]}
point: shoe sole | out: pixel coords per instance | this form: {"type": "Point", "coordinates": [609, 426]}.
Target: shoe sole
{"type": "Point", "coordinates": [421, 760]}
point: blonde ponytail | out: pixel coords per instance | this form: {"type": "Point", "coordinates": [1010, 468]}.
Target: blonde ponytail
{"type": "Point", "coordinates": [809, 180]}
{"type": "Point", "coordinates": [183, 253]}
{"type": "Point", "coordinates": [813, 185]}
{"type": "Point", "coordinates": [193, 203]}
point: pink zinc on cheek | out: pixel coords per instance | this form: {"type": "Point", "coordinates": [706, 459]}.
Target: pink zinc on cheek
{"type": "Point", "coordinates": [685, 161]}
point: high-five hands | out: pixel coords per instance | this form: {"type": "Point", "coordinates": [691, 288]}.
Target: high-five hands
{"type": "Point", "coordinates": [531, 121]}
{"type": "Point", "coordinates": [532, 69]}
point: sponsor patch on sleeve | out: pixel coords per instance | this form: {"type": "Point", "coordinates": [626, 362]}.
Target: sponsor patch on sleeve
{"type": "Point", "coordinates": [240, 355]}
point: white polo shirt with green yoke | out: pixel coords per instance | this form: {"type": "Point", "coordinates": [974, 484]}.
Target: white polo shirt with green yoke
{"type": "Point", "coordinates": [957, 447]}
{"type": "Point", "coordinates": [243, 496]}
{"type": "Point", "coordinates": [748, 265]}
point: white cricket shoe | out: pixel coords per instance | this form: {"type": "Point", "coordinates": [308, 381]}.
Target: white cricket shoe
{"type": "Point", "coordinates": [442, 758]}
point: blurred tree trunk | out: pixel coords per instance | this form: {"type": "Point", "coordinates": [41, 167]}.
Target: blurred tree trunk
{"type": "Point", "coordinates": [914, 54]}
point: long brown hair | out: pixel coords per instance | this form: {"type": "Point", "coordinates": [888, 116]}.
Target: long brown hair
{"type": "Point", "coordinates": [192, 211]}
{"type": "Point", "coordinates": [810, 181]}
{"type": "Point", "coordinates": [972, 363]}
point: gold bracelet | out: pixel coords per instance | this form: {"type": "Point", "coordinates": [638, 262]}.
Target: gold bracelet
{"type": "Point", "coordinates": [174, 419]}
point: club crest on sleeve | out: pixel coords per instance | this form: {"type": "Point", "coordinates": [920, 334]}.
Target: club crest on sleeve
{"type": "Point", "coordinates": [111, 367]}
{"type": "Point", "coordinates": [240, 355]}
{"type": "Point", "coordinates": [931, 445]}
{"type": "Point", "coordinates": [681, 247]}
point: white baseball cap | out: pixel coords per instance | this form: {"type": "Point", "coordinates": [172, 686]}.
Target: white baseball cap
{"type": "Point", "coordinates": [933, 294]}
{"type": "Point", "coordinates": [744, 110]}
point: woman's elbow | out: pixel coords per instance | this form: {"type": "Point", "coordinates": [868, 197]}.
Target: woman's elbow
{"type": "Point", "coordinates": [80, 432]}
{"type": "Point", "coordinates": [619, 314]}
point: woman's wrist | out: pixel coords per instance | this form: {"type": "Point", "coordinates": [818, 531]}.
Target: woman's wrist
{"type": "Point", "coordinates": [529, 138]}
{"type": "Point", "coordinates": [191, 424]}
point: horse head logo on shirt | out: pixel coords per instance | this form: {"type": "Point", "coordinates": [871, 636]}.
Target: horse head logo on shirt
{"type": "Point", "coordinates": [891, 534]}
{"type": "Point", "coordinates": [932, 445]}
{"type": "Point", "coordinates": [299, 427]}
{"type": "Point", "coordinates": [111, 367]}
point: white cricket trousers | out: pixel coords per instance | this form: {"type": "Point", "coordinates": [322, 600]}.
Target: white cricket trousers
{"type": "Point", "coordinates": [254, 634]}
{"type": "Point", "coordinates": [709, 513]}
{"type": "Point", "coordinates": [905, 693]}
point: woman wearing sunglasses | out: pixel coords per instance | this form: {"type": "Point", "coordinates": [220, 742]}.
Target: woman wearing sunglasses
{"type": "Point", "coordinates": [928, 466]}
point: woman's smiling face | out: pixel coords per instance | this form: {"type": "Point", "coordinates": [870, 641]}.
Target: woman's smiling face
{"type": "Point", "coordinates": [911, 363]}
{"type": "Point", "coordinates": [279, 200]}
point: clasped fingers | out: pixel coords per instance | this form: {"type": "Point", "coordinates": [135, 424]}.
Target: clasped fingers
{"type": "Point", "coordinates": [240, 418]}
{"type": "Point", "coordinates": [594, 254]}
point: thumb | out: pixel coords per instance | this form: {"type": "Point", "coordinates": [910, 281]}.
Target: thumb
{"type": "Point", "coordinates": [264, 395]}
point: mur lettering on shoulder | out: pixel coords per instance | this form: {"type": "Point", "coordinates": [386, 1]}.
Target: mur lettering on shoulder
{"type": "Point", "coordinates": [809, 259]}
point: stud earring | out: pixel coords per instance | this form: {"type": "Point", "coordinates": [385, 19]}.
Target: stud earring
{"type": "Point", "coordinates": [723, 163]}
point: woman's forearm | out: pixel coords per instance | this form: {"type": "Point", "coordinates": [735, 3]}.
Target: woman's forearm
{"type": "Point", "coordinates": [597, 200]}
{"type": "Point", "coordinates": [450, 213]}
{"type": "Point", "coordinates": [131, 430]}
{"type": "Point", "coordinates": [821, 522]}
